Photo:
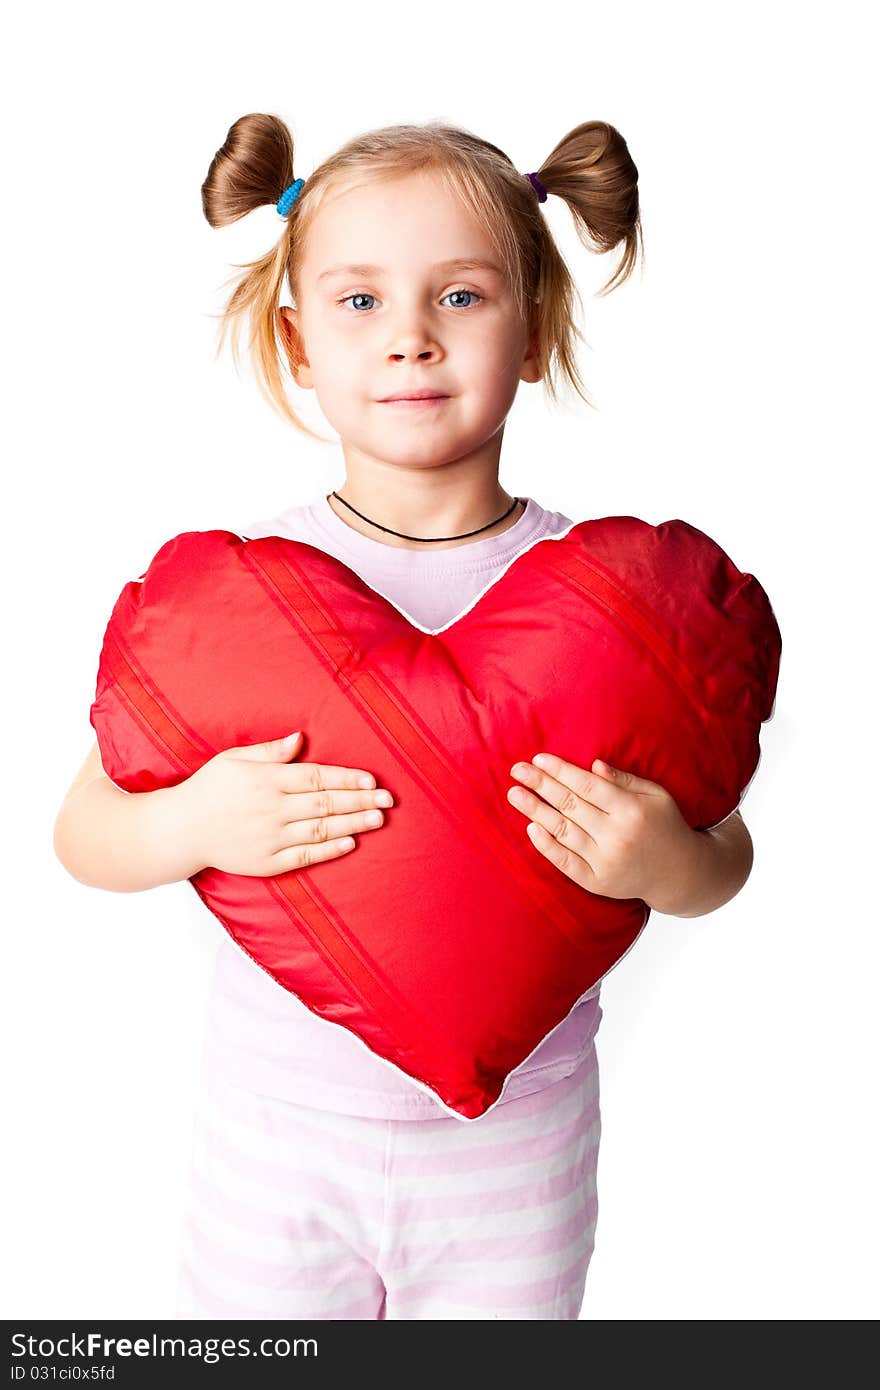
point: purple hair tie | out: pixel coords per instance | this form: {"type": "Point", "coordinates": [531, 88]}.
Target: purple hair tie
{"type": "Point", "coordinates": [538, 187]}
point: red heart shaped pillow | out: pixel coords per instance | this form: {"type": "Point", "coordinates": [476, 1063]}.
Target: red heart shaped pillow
{"type": "Point", "coordinates": [445, 940]}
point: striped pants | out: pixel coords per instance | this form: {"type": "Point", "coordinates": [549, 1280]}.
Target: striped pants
{"type": "Point", "coordinates": [296, 1212]}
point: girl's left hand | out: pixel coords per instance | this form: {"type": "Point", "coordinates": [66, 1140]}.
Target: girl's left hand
{"type": "Point", "coordinates": [613, 833]}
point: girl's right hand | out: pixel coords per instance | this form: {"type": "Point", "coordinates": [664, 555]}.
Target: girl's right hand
{"type": "Point", "coordinates": [251, 811]}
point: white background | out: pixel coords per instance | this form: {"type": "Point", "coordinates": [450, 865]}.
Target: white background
{"type": "Point", "coordinates": [738, 1050]}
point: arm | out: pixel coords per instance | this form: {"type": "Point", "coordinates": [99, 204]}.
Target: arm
{"type": "Point", "coordinates": [247, 810]}
{"type": "Point", "coordinates": [623, 836]}
{"type": "Point", "coordinates": [122, 841]}
{"type": "Point", "coordinates": [720, 864]}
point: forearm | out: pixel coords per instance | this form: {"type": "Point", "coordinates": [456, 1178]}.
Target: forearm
{"type": "Point", "coordinates": [125, 842]}
{"type": "Point", "coordinates": [717, 869]}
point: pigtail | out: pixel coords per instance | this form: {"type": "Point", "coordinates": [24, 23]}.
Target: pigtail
{"type": "Point", "coordinates": [592, 170]}
{"type": "Point", "coordinates": [253, 167]}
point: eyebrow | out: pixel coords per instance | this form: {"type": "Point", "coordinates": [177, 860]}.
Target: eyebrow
{"type": "Point", "coordinates": [468, 263]}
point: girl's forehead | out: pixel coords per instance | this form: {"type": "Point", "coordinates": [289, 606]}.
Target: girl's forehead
{"type": "Point", "coordinates": [378, 219]}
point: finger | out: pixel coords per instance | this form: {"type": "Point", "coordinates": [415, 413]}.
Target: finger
{"type": "Point", "coordinates": [303, 856]}
{"type": "Point", "coordinates": [310, 842]}
{"type": "Point", "coordinates": [297, 777]}
{"type": "Point", "coordinates": [271, 750]}
{"type": "Point", "coordinates": [628, 781]}
{"type": "Point", "coordinates": [314, 829]}
{"type": "Point", "coordinates": [569, 863]}
{"type": "Point", "coordinates": [601, 792]}
{"type": "Point", "coordinates": [588, 815]}
{"type": "Point", "coordinates": [300, 806]}
{"type": "Point", "coordinates": [567, 832]}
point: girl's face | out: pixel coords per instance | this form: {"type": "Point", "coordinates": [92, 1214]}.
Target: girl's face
{"type": "Point", "coordinates": [400, 316]}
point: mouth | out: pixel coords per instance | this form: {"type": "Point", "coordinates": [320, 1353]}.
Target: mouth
{"type": "Point", "coordinates": [416, 401]}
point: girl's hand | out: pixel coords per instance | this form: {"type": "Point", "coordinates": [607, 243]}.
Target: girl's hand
{"type": "Point", "coordinates": [613, 833]}
{"type": "Point", "coordinates": [252, 812]}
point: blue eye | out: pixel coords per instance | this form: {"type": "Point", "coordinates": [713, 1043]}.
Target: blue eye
{"type": "Point", "coordinates": [353, 296]}
{"type": "Point", "coordinates": [473, 294]}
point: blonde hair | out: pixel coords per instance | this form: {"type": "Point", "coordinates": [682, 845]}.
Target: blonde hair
{"type": "Point", "coordinates": [590, 168]}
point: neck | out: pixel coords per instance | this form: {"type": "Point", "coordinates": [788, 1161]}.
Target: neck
{"type": "Point", "coordinates": [438, 517]}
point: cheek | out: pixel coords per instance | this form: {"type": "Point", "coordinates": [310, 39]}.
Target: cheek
{"type": "Point", "coordinates": [337, 365]}
{"type": "Point", "coordinates": [498, 351]}
{"type": "Point", "coordinates": [495, 371]}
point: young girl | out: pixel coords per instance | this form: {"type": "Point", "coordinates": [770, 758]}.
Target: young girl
{"type": "Point", "coordinates": [324, 1183]}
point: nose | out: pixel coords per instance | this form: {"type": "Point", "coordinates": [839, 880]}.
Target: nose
{"type": "Point", "coordinates": [414, 347]}
{"type": "Point", "coordinates": [412, 335]}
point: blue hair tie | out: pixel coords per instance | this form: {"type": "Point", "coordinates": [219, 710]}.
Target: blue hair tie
{"type": "Point", "coordinates": [289, 197]}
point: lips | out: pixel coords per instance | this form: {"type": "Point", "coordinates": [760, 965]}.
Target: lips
{"type": "Point", "coordinates": [414, 396]}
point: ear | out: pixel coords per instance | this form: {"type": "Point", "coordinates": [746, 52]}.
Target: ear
{"type": "Point", "coordinates": [288, 328]}
{"type": "Point", "coordinates": [530, 370]}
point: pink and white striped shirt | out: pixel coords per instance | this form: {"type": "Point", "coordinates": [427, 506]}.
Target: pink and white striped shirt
{"type": "Point", "coordinates": [259, 1035]}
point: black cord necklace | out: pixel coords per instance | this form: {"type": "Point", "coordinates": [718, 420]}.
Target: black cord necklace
{"type": "Point", "coordinates": [403, 537]}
